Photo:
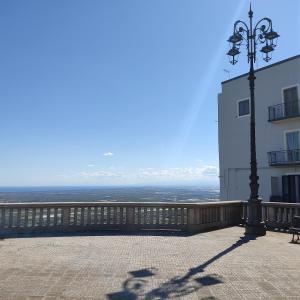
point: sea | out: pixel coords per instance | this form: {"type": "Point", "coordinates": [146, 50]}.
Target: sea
{"type": "Point", "coordinates": [183, 194]}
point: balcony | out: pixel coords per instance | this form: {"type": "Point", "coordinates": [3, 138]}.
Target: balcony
{"type": "Point", "coordinates": [284, 157]}
{"type": "Point", "coordinates": [284, 111]}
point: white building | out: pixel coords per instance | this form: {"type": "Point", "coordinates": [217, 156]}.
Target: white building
{"type": "Point", "coordinates": [277, 105]}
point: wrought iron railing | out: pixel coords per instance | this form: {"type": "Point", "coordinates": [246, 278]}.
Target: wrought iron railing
{"type": "Point", "coordinates": [284, 111]}
{"type": "Point", "coordinates": [284, 157]}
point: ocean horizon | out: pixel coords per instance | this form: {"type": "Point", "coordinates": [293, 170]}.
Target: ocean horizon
{"type": "Point", "coordinates": [108, 193]}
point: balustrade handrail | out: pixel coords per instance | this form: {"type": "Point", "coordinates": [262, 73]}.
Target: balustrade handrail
{"type": "Point", "coordinates": [115, 204]}
{"type": "Point", "coordinates": [281, 204]}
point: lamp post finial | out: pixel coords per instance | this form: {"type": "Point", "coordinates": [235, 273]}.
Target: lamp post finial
{"type": "Point", "coordinates": [250, 11]}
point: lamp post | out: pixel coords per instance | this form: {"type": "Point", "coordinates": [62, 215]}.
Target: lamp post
{"type": "Point", "coordinates": [252, 37]}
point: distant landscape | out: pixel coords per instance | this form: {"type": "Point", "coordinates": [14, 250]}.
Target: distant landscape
{"type": "Point", "coordinates": [85, 194]}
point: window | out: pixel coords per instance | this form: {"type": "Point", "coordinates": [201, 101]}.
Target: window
{"type": "Point", "coordinates": [292, 140]}
{"type": "Point", "coordinates": [291, 188]}
{"type": "Point", "coordinates": [275, 186]}
{"type": "Point", "coordinates": [243, 108]}
{"type": "Point", "coordinates": [292, 145]}
{"type": "Point", "coordinates": [290, 99]}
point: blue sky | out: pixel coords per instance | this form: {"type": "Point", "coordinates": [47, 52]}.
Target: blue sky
{"type": "Point", "coordinates": [120, 92]}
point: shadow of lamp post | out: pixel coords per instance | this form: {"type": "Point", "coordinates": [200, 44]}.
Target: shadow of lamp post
{"type": "Point", "coordinates": [252, 37]}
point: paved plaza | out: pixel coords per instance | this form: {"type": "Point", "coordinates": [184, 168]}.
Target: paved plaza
{"type": "Point", "coordinates": [220, 264]}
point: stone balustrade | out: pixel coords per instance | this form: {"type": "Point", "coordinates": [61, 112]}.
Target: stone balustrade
{"type": "Point", "coordinates": [276, 215]}
{"type": "Point", "coordinates": [80, 216]}
{"type": "Point", "coordinates": [279, 215]}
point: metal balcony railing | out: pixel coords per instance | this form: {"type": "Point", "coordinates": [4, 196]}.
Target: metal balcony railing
{"type": "Point", "coordinates": [284, 111]}
{"type": "Point", "coordinates": [284, 157]}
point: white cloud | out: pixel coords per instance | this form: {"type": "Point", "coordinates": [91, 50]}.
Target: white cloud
{"type": "Point", "coordinates": [62, 175]}
{"type": "Point", "coordinates": [100, 174]}
{"type": "Point", "coordinates": [183, 175]}
{"type": "Point", "coordinates": [108, 154]}
{"type": "Point", "coordinates": [180, 173]}
{"type": "Point", "coordinates": [210, 171]}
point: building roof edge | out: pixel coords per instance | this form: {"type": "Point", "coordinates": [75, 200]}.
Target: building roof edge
{"type": "Point", "coordinates": [263, 68]}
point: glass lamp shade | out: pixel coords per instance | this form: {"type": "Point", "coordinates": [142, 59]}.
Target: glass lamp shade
{"type": "Point", "coordinates": [266, 49]}
{"type": "Point", "coordinates": [236, 38]}
{"type": "Point", "coordinates": [233, 51]}
{"type": "Point", "coordinates": [271, 35]}
{"type": "Point", "coordinates": [267, 52]}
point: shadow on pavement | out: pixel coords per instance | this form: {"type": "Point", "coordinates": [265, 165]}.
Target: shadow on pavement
{"type": "Point", "coordinates": [162, 232]}
{"type": "Point", "coordinates": [138, 285]}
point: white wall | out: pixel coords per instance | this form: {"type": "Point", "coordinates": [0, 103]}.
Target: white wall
{"type": "Point", "coordinates": [234, 131]}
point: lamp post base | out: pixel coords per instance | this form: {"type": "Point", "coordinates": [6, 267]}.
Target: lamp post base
{"type": "Point", "coordinates": [258, 230]}
{"type": "Point", "coordinates": [254, 224]}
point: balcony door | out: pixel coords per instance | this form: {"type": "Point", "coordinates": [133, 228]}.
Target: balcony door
{"type": "Point", "coordinates": [290, 99]}
{"type": "Point", "coordinates": [292, 145]}
{"type": "Point", "coordinates": [291, 188]}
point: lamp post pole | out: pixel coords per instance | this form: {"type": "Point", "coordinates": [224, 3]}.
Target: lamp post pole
{"type": "Point", "coordinates": [262, 33]}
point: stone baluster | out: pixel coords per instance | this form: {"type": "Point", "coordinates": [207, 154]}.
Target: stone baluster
{"type": "Point", "coordinates": [95, 215]}
{"type": "Point", "coordinates": [222, 215]}
{"type": "Point", "coordinates": [41, 217]}
{"type": "Point", "coordinates": [66, 216]}
{"type": "Point", "coordinates": [89, 217]}
{"type": "Point", "coordinates": [26, 212]}
{"type": "Point", "coordinates": [190, 218]}
{"type": "Point", "coordinates": [81, 216]}
{"type": "Point", "coordinates": [163, 216]}
{"type": "Point", "coordinates": [48, 220]}
{"type": "Point", "coordinates": [121, 215]}
{"type": "Point", "coordinates": [102, 215]}
{"type": "Point", "coordinates": [55, 223]}
{"type": "Point", "coordinates": [33, 215]}
{"type": "Point", "coordinates": [182, 217]}
{"type": "Point", "coordinates": [157, 213]}
{"type": "Point", "coordinates": [115, 215]}
{"type": "Point", "coordinates": [176, 216]}
{"type": "Point", "coordinates": [3, 217]}
{"type": "Point", "coordinates": [19, 212]}
{"type": "Point", "coordinates": [130, 217]}
{"type": "Point", "coordinates": [11, 218]}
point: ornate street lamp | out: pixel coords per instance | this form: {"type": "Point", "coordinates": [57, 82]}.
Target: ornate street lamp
{"type": "Point", "coordinates": [262, 33]}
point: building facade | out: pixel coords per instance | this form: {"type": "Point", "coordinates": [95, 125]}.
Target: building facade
{"type": "Point", "coordinates": [277, 111]}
